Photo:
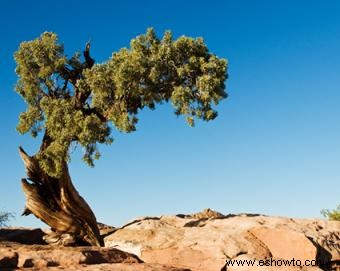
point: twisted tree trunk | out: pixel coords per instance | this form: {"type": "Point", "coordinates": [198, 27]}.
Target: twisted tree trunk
{"type": "Point", "coordinates": [56, 202]}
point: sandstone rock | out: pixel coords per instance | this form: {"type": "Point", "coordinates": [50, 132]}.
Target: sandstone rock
{"type": "Point", "coordinates": [117, 267]}
{"type": "Point", "coordinates": [286, 244]}
{"type": "Point", "coordinates": [180, 242]}
{"type": "Point", "coordinates": [206, 213]}
{"type": "Point", "coordinates": [329, 245]}
{"type": "Point", "coordinates": [38, 256]}
{"type": "Point", "coordinates": [258, 265]}
{"type": "Point", "coordinates": [49, 258]}
{"type": "Point", "coordinates": [8, 259]}
{"type": "Point", "coordinates": [199, 242]}
{"type": "Point", "coordinates": [204, 243]}
{"type": "Point", "coordinates": [187, 258]}
{"type": "Point", "coordinates": [105, 230]}
{"type": "Point", "coordinates": [22, 235]}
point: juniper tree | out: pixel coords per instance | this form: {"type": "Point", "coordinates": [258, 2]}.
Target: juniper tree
{"type": "Point", "coordinates": [72, 100]}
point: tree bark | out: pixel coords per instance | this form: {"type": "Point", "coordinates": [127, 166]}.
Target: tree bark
{"type": "Point", "coordinates": [57, 203]}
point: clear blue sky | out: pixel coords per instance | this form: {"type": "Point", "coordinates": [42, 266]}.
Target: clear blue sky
{"type": "Point", "coordinates": [274, 148]}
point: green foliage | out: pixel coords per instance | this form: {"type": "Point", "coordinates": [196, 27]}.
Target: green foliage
{"type": "Point", "coordinates": [72, 100]}
{"type": "Point", "coordinates": [332, 214]}
{"type": "Point", "coordinates": [5, 217]}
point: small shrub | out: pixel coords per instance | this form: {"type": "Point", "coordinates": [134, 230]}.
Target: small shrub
{"type": "Point", "coordinates": [5, 217]}
{"type": "Point", "coordinates": [332, 214]}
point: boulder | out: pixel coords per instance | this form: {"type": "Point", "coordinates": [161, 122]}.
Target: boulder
{"type": "Point", "coordinates": [286, 244]}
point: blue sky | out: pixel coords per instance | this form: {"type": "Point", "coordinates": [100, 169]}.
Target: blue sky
{"type": "Point", "coordinates": [274, 148]}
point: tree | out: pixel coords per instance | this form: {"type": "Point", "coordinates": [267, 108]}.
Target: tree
{"type": "Point", "coordinates": [72, 101]}
{"type": "Point", "coordinates": [332, 214]}
{"type": "Point", "coordinates": [4, 218]}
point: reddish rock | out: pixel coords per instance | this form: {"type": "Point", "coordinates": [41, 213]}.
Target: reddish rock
{"type": "Point", "coordinates": [182, 258]}
{"type": "Point", "coordinates": [116, 267]}
{"type": "Point", "coordinates": [259, 266]}
{"type": "Point", "coordinates": [286, 244]}
{"type": "Point", "coordinates": [55, 258]}
{"type": "Point", "coordinates": [39, 256]}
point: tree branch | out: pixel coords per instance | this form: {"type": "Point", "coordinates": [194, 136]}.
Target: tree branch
{"type": "Point", "coordinates": [89, 111]}
{"type": "Point", "coordinates": [89, 61]}
{"type": "Point", "coordinates": [70, 75]}
{"type": "Point", "coordinates": [64, 86]}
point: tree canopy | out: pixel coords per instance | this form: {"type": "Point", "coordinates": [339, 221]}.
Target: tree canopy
{"type": "Point", "coordinates": [74, 100]}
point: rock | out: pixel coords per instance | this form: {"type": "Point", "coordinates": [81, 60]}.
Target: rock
{"type": "Point", "coordinates": [206, 213]}
{"type": "Point", "coordinates": [328, 245]}
{"type": "Point", "coordinates": [39, 256]}
{"type": "Point", "coordinates": [200, 246]}
{"type": "Point", "coordinates": [107, 255]}
{"type": "Point", "coordinates": [286, 244]}
{"type": "Point", "coordinates": [197, 242]}
{"type": "Point", "coordinates": [258, 265]}
{"type": "Point", "coordinates": [49, 258]}
{"type": "Point", "coordinates": [22, 235]}
{"type": "Point", "coordinates": [8, 259]}
{"type": "Point", "coordinates": [105, 230]}
{"type": "Point", "coordinates": [189, 258]}
{"type": "Point", "coordinates": [203, 242]}
{"type": "Point", "coordinates": [117, 267]}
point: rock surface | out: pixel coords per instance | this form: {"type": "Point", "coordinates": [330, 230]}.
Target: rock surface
{"type": "Point", "coordinates": [22, 235]}
{"type": "Point", "coordinates": [199, 242]}
{"type": "Point", "coordinates": [205, 241]}
{"type": "Point", "coordinates": [39, 256]}
{"type": "Point", "coordinates": [258, 267]}
{"type": "Point", "coordinates": [114, 267]}
{"type": "Point", "coordinates": [15, 256]}
{"type": "Point", "coordinates": [8, 259]}
{"type": "Point", "coordinates": [286, 244]}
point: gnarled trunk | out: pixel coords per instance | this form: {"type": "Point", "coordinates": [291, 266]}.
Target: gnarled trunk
{"type": "Point", "coordinates": [57, 203]}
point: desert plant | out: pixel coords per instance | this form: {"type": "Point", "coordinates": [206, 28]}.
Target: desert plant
{"type": "Point", "coordinates": [332, 214]}
{"type": "Point", "coordinates": [5, 217]}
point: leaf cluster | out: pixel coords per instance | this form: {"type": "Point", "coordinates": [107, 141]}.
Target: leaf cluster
{"type": "Point", "coordinates": [332, 214]}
